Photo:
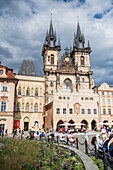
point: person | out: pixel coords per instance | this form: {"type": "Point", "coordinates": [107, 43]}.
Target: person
{"type": "Point", "coordinates": [103, 132]}
{"type": "Point", "coordinates": [86, 136]}
{"type": "Point", "coordinates": [6, 131]}
{"type": "Point", "coordinates": [19, 131]}
{"type": "Point", "coordinates": [110, 147]}
{"type": "Point", "coordinates": [2, 133]}
{"type": "Point", "coordinates": [52, 136]}
{"type": "Point", "coordinates": [72, 139]}
{"type": "Point", "coordinates": [62, 137]}
{"type": "Point", "coordinates": [105, 144]}
{"type": "Point", "coordinates": [42, 136]}
{"type": "Point", "coordinates": [98, 142]}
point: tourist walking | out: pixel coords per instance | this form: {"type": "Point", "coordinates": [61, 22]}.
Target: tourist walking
{"type": "Point", "coordinates": [86, 136]}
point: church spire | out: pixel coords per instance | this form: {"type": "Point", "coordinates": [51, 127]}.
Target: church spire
{"type": "Point", "coordinates": [51, 36]}
{"type": "Point", "coordinates": [79, 38]}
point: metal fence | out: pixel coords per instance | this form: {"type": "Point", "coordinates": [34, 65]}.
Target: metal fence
{"type": "Point", "coordinates": [101, 154]}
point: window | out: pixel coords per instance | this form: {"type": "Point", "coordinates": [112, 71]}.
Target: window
{"type": "Point", "coordinates": [64, 110]}
{"type": "Point", "coordinates": [19, 91]}
{"type": "Point", "coordinates": [108, 101]}
{"type": "Point", "coordinates": [57, 110]}
{"type": "Point", "coordinates": [83, 79]}
{"type": "Point", "coordinates": [60, 97]}
{"type": "Point", "coordinates": [1, 71]}
{"type": "Point", "coordinates": [102, 92]}
{"type": "Point", "coordinates": [51, 84]}
{"type": "Point", "coordinates": [52, 59]}
{"type": "Point", "coordinates": [95, 111]}
{"type": "Point", "coordinates": [48, 58]}
{"type": "Point", "coordinates": [18, 107]}
{"type": "Point", "coordinates": [91, 98]}
{"type": "Point", "coordinates": [28, 92]}
{"type": "Point", "coordinates": [82, 98]}
{"type": "Point", "coordinates": [68, 83]}
{"type": "Point", "coordinates": [103, 101]}
{"type": "Point", "coordinates": [83, 111]}
{"type": "Point", "coordinates": [112, 93]}
{"type": "Point", "coordinates": [82, 60]}
{"type": "Point", "coordinates": [36, 92]}
{"type": "Point", "coordinates": [108, 93]}
{"type": "Point", "coordinates": [68, 98]}
{"type": "Point", "coordinates": [88, 111]}
{"type": "Point", "coordinates": [36, 107]}
{"type": "Point", "coordinates": [3, 106]}
{"type": "Point", "coordinates": [104, 111]}
{"type": "Point", "coordinates": [70, 111]}
{"type": "Point", "coordinates": [86, 98]}
{"type": "Point", "coordinates": [109, 111]}
{"type": "Point", "coordinates": [27, 107]}
{"type": "Point", "coordinates": [64, 98]}
{"type": "Point", "coordinates": [4, 87]}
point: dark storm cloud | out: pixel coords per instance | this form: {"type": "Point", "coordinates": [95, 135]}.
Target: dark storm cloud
{"type": "Point", "coordinates": [5, 53]}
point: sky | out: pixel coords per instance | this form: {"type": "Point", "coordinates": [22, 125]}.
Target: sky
{"type": "Point", "coordinates": [23, 26]}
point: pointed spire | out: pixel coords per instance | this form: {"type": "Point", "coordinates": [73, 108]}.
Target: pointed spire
{"type": "Point", "coordinates": [51, 26]}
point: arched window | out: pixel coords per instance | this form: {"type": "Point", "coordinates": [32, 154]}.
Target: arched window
{"type": "Point", "coordinates": [52, 59]}
{"type": "Point", "coordinates": [68, 83]}
{"type": "Point", "coordinates": [36, 107]}
{"type": "Point", "coordinates": [28, 92]}
{"type": "Point", "coordinates": [27, 107]}
{"type": "Point", "coordinates": [19, 91]}
{"type": "Point", "coordinates": [18, 107]}
{"type": "Point", "coordinates": [82, 60]}
{"type": "Point", "coordinates": [51, 84]}
{"type": "Point", "coordinates": [36, 92]}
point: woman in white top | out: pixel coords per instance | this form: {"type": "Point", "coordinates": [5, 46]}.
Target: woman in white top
{"type": "Point", "coordinates": [104, 134]}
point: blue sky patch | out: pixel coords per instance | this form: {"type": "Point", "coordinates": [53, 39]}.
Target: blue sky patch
{"type": "Point", "coordinates": [98, 16]}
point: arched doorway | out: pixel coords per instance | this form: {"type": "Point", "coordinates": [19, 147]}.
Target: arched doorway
{"type": "Point", "coordinates": [71, 121]}
{"type": "Point", "coordinates": [58, 123]}
{"type": "Point", "coordinates": [93, 124]}
{"type": "Point", "coordinates": [26, 124]}
{"type": "Point", "coordinates": [84, 122]}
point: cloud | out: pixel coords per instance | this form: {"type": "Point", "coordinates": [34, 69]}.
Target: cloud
{"type": "Point", "coordinates": [23, 26]}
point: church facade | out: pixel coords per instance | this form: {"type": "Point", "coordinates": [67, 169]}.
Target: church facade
{"type": "Point", "coordinates": [65, 94]}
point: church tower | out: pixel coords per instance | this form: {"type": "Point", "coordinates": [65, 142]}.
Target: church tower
{"type": "Point", "coordinates": [50, 53]}
{"type": "Point", "coordinates": [81, 60]}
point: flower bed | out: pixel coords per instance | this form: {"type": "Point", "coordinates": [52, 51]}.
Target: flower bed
{"type": "Point", "coordinates": [37, 155]}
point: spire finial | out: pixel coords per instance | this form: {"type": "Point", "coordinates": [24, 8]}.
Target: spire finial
{"type": "Point", "coordinates": [51, 16]}
{"type": "Point", "coordinates": [77, 19]}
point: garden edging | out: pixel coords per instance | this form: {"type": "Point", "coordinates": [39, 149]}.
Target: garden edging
{"type": "Point", "coordinates": [88, 163]}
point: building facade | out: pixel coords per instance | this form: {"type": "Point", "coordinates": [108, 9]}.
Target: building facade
{"type": "Point", "coordinates": [7, 97]}
{"type": "Point", "coordinates": [105, 92]}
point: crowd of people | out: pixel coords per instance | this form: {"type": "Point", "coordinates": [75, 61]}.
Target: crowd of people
{"type": "Point", "coordinates": [104, 140]}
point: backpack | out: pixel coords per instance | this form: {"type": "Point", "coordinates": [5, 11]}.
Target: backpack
{"type": "Point", "coordinates": [93, 140]}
